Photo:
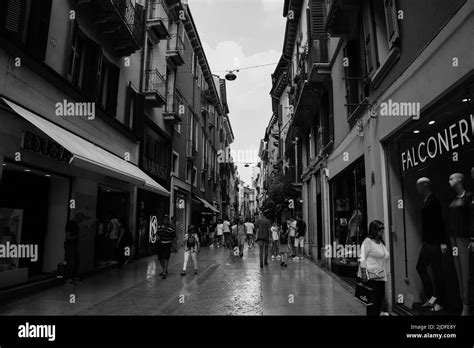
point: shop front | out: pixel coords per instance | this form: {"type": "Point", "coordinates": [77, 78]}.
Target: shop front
{"type": "Point", "coordinates": [47, 176]}
{"type": "Point", "coordinates": [438, 147]}
{"type": "Point", "coordinates": [348, 220]}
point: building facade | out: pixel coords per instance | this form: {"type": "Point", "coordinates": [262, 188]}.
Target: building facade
{"type": "Point", "coordinates": [378, 101]}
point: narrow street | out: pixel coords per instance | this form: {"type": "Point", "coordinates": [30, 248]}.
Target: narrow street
{"type": "Point", "coordinates": [225, 285]}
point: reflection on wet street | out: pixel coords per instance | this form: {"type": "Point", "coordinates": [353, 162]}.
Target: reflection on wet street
{"type": "Point", "coordinates": [225, 285]}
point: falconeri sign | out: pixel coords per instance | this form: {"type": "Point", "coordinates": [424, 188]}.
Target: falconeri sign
{"type": "Point", "coordinates": [447, 140]}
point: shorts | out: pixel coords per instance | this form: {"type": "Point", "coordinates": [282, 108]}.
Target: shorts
{"type": "Point", "coordinates": [164, 251]}
{"type": "Point", "coordinates": [299, 242]}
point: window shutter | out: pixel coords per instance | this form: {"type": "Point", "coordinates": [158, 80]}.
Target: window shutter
{"type": "Point", "coordinates": [391, 17]}
{"type": "Point", "coordinates": [12, 17]}
{"type": "Point", "coordinates": [38, 28]}
{"type": "Point", "coordinates": [369, 41]}
{"type": "Point", "coordinates": [317, 18]}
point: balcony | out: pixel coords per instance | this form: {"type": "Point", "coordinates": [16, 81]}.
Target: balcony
{"type": "Point", "coordinates": [320, 70]}
{"type": "Point", "coordinates": [122, 22]}
{"type": "Point", "coordinates": [190, 150]}
{"type": "Point", "coordinates": [157, 21]}
{"type": "Point", "coordinates": [155, 88]}
{"type": "Point", "coordinates": [342, 16]}
{"type": "Point", "coordinates": [175, 50]}
{"type": "Point", "coordinates": [172, 110]}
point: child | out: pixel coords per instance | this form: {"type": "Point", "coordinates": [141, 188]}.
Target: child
{"type": "Point", "coordinates": [191, 247]}
{"type": "Point", "coordinates": [275, 238]}
{"type": "Point", "coordinates": [284, 247]}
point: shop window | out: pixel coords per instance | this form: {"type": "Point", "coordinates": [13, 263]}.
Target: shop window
{"type": "Point", "coordinates": [26, 23]}
{"type": "Point", "coordinates": [130, 107]}
{"type": "Point", "coordinates": [349, 206]}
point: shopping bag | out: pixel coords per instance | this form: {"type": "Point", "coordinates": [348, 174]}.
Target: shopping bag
{"type": "Point", "coordinates": [364, 293]}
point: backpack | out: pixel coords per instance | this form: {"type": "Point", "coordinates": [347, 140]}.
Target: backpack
{"type": "Point", "coordinates": [191, 241]}
{"type": "Point", "coordinates": [284, 237]}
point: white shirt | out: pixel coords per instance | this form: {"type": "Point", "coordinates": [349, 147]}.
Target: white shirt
{"type": "Point", "coordinates": [275, 233]}
{"type": "Point", "coordinates": [373, 257]}
{"type": "Point", "coordinates": [249, 227]}
{"type": "Point", "coordinates": [226, 226]}
{"type": "Point", "coordinates": [292, 227]}
{"type": "Point", "coordinates": [220, 229]}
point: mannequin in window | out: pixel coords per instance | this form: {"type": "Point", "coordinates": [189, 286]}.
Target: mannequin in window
{"type": "Point", "coordinates": [459, 233]}
{"type": "Point", "coordinates": [434, 245]}
{"type": "Point", "coordinates": [354, 224]}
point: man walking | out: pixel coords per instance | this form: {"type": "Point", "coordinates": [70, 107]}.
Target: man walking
{"type": "Point", "coordinates": [226, 230]}
{"type": "Point", "coordinates": [71, 249]}
{"type": "Point", "coordinates": [166, 235]}
{"type": "Point", "coordinates": [292, 229]}
{"type": "Point", "coordinates": [263, 236]}
{"type": "Point", "coordinates": [299, 238]}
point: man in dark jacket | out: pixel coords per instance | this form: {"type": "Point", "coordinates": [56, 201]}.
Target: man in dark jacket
{"type": "Point", "coordinates": [263, 227]}
{"type": "Point", "coordinates": [71, 249]}
{"type": "Point", "coordinates": [434, 245]}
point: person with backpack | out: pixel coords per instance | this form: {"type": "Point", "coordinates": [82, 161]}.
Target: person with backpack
{"type": "Point", "coordinates": [241, 236]}
{"type": "Point", "coordinates": [299, 238]}
{"type": "Point", "coordinates": [191, 248]}
{"type": "Point", "coordinates": [284, 247]}
{"type": "Point", "coordinates": [112, 237]}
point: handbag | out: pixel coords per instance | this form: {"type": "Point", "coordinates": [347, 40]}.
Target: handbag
{"type": "Point", "coordinates": [378, 273]}
{"type": "Point", "coordinates": [364, 293]}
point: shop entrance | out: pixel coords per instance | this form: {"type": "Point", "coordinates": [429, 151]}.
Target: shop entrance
{"type": "Point", "coordinates": [111, 204]}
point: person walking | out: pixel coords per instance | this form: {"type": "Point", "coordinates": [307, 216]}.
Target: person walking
{"type": "Point", "coordinates": [263, 236]}
{"type": "Point", "coordinates": [226, 232]}
{"type": "Point", "coordinates": [203, 232]}
{"type": "Point", "coordinates": [372, 267]}
{"type": "Point", "coordinates": [241, 236]}
{"type": "Point", "coordinates": [219, 233]}
{"type": "Point", "coordinates": [275, 238]}
{"type": "Point", "coordinates": [71, 249]}
{"type": "Point", "coordinates": [299, 238]}
{"type": "Point", "coordinates": [166, 236]}
{"type": "Point", "coordinates": [284, 247]}
{"type": "Point", "coordinates": [292, 232]}
{"type": "Point", "coordinates": [191, 248]}
{"type": "Point", "coordinates": [249, 230]}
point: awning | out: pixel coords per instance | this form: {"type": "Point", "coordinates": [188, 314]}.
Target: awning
{"type": "Point", "coordinates": [90, 156]}
{"type": "Point", "coordinates": [207, 204]}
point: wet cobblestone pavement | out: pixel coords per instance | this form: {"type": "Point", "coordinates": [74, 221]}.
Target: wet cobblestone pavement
{"type": "Point", "coordinates": [225, 285]}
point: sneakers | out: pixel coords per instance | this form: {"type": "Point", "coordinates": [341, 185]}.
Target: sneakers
{"type": "Point", "coordinates": [273, 257]}
{"type": "Point", "coordinates": [437, 308]}
{"type": "Point", "coordinates": [384, 314]}
{"type": "Point", "coordinates": [296, 258]}
{"type": "Point", "coordinates": [278, 257]}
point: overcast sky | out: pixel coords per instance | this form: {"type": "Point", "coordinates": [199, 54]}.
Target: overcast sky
{"type": "Point", "coordinates": [247, 32]}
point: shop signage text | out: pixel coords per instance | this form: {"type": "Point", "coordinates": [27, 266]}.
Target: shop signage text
{"type": "Point", "coordinates": [46, 147]}
{"type": "Point", "coordinates": [155, 169]}
{"type": "Point", "coordinates": [444, 141]}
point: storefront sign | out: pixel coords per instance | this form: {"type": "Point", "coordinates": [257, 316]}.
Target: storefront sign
{"type": "Point", "coordinates": [153, 229]}
{"type": "Point", "coordinates": [451, 138]}
{"type": "Point", "coordinates": [46, 147]}
{"type": "Point", "coordinates": [155, 169]}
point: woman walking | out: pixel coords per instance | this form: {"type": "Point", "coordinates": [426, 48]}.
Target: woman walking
{"type": "Point", "coordinates": [372, 268]}
{"type": "Point", "coordinates": [191, 248]}
{"type": "Point", "coordinates": [219, 233]}
{"type": "Point", "coordinates": [284, 247]}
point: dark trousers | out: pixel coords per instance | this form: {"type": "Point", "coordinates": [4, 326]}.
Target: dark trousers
{"type": "Point", "coordinates": [71, 252]}
{"type": "Point", "coordinates": [263, 243]}
{"type": "Point", "coordinates": [471, 281]}
{"type": "Point", "coordinates": [430, 254]}
{"type": "Point", "coordinates": [227, 243]}
{"type": "Point", "coordinates": [378, 297]}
